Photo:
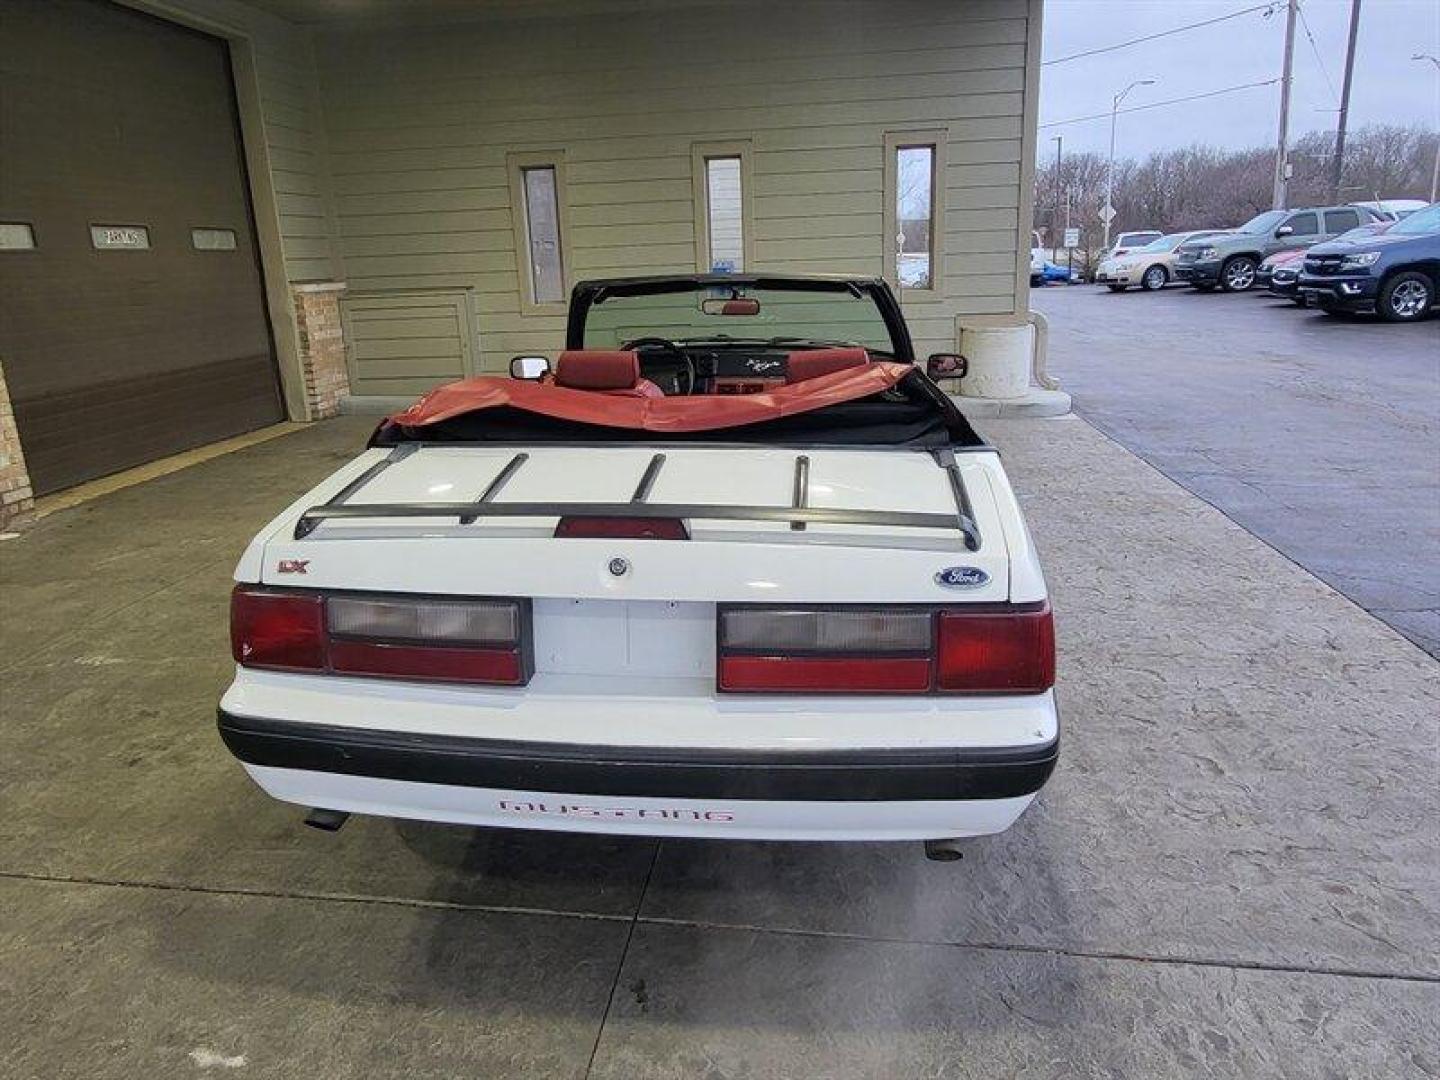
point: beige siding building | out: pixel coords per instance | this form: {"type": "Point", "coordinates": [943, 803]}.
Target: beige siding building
{"type": "Point", "coordinates": [457, 165]}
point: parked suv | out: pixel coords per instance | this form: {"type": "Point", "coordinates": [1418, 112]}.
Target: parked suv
{"type": "Point", "coordinates": [1396, 274]}
{"type": "Point", "coordinates": [1231, 261]}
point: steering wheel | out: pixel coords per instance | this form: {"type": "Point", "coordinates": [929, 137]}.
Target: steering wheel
{"type": "Point", "coordinates": [686, 364]}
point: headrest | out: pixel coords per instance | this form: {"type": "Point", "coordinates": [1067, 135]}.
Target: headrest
{"type": "Point", "coordinates": [812, 363]}
{"type": "Point", "coordinates": [597, 369]}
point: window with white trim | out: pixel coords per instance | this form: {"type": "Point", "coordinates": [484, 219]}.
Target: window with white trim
{"type": "Point", "coordinates": [537, 200]}
{"type": "Point", "coordinates": [542, 227]}
{"type": "Point", "coordinates": [724, 224]}
{"type": "Point", "coordinates": [914, 210]}
{"type": "Point", "coordinates": [722, 207]}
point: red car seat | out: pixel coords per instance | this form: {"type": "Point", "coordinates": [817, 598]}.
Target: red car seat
{"type": "Point", "coordinates": [604, 371]}
{"type": "Point", "coordinates": [812, 363]}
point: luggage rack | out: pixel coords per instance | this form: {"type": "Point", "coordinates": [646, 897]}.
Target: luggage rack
{"type": "Point", "coordinates": [798, 515]}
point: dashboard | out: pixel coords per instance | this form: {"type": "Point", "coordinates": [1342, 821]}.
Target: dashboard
{"type": "Point", "coordinates": [707, 370]}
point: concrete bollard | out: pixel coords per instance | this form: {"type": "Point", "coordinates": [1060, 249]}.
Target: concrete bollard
{"type": "Point", "coordinates": [1007, 372]}
{"type": "Point", "coordinates": [999, 358]}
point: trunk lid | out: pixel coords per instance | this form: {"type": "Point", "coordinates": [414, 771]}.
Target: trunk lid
{"type": "Point", "coordinates": [617, 611]}
{"type": "Point", "coordinates": [725, 560]}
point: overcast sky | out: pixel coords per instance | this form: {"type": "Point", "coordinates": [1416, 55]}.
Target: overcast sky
{"type": "Point", "coordinates": [1388, 87]}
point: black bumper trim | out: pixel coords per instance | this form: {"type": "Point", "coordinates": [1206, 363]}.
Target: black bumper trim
{"type": "Point", "coordinates": [879, 775]}
{"type": "Point", "coordinates": [1331, 297]}
{"type": "Point", "coordinates": [1198, 273]}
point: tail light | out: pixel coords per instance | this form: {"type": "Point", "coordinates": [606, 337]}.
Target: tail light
{"type": "Point", "coordinates": [988, 649]}
{"type": "Point", "coordinates": [472, 641]}
{"type": "Point", "coordinates": [277, 630]}
{"type": "Point", "coordinates": [623, 528]}
{"type": "Point", "coordinates": [990, 652]}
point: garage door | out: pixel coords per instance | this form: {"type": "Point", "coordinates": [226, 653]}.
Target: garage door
{"type": "Point", "coordinates": [133, 321]}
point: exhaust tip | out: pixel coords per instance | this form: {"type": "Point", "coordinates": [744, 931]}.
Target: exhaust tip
{"type": "Point", "coordinates": [326, 820]}
{"type": "Point", "coordinates": [947, 850]}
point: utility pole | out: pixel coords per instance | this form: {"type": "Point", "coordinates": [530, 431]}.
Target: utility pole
{"type": "Point", "coordinates": [1282, 150]}
{"type": "Point", "coordinates": [1109, 212]}
{"type": "Point", "coordinates": [1055, 221]}
{"type": "Point", "coordinates": [1337, 167]}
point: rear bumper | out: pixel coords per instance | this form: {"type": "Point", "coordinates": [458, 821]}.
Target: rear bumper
{"type": "Point", "coordinates": [869, 775]}
{"type": "Point", "coordinates": [679, 760]}
{"type": "Point", "coordinates": [703, 818]}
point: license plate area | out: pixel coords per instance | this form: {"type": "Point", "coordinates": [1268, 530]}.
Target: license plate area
{"type": "Point", "coordinates": [655, 638]}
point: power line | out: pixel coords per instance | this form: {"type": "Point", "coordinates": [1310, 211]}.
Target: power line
{"type": "Point", "coordinates": [1159, 104]}
{"type": "Point", "coordinates": [1304, 22]}
{"type": "Point", "coordinates": [1267, 8]}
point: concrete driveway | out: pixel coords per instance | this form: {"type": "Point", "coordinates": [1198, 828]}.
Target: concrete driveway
{"type": "Point", "coordinates": [1233, 872]}
{"type": "Point", "coordinates": [1319, 435]}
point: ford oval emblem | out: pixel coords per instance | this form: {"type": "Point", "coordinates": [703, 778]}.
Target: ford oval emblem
{"type": "Point", "coordinates": [962, 577]}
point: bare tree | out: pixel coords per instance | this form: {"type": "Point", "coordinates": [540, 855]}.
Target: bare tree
{"type": "Point", "coordinates": [1203, 187]}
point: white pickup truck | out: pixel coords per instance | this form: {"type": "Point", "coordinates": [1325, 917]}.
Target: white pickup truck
{"type": "Point", "coordinates": [734, 567]}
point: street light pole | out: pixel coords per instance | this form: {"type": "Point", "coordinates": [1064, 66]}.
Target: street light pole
{"type": "Point", "coordinates": [1055, 221]}
{"type": "Point", "coordinates": [1435, 170]}
{"type": "Point", "coordinates": [1110, 167]}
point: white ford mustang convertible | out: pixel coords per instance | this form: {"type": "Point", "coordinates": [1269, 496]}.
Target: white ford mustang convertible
{"type": "Point", "coordinates": [734, 567]}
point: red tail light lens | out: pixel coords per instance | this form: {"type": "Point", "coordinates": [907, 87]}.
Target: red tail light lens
{"type": "Point", "coordinates": [475, 641]}
{"type": "Point", "coordinates": [415, 662]}
{"type": "Point", "coordinates": [1009, 652]}
{"type": "Point", "coordinates": [990, 649]}
{"type": "Point", "coordinates": [277, 630]}
{"type": "Point", "coordinates": [623, 528]}
{"type": "Point", "coordinates": [825, 674]}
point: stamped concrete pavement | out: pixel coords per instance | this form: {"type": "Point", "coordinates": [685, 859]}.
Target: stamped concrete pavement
{"type": "Point", "coordinates": [1233, 872]}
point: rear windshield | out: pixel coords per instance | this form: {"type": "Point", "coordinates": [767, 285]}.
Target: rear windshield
{"type": "Point", "coordinates": [740, 314]}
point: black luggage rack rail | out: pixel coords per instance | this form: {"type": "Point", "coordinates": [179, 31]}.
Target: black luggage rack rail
{"type": "Point", "coordinates": [798, 514]}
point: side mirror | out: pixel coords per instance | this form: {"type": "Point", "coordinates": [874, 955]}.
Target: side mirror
{"type": "Point", "coordinates": [944, 365]}
{"type": "Point", "coordinates": [1284, 230]}
{"type": "Point", "coordinates": [530, 368]}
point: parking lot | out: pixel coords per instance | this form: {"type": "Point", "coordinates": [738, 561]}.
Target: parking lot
{"type": "Point", "coordinates": [1319, 435]}
{"type": "Point", "coordinates": [1232, 872]}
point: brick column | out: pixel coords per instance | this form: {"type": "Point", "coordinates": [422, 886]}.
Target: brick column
{"type": "Point", "coordinates": [16, 495]}
{"type": "Point", "coordinates": [322, 347]}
